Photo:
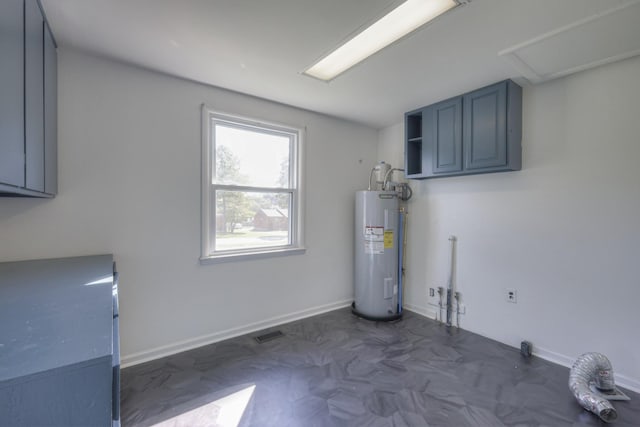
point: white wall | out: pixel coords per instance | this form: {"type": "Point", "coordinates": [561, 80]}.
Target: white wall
{"type": "Point", "coordinates": [564, 231]}
{"type": "Point", "coordinates": [129, 161]}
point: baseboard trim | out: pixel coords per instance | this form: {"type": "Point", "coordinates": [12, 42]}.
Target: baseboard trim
{"type": "Point", "coordinates": [563, 360]}
{"type": "Point", "coordinates": [423, 311]}
{"type": "Point", "coordinates": [180, 346]}
{"type": "Point", "coordinates": [627, 382]}
{"type": "Point", "coordinates": [554, 357]}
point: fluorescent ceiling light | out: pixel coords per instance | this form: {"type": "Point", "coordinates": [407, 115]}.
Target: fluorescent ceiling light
{"type": "Point", "coordinates": [402, 20]}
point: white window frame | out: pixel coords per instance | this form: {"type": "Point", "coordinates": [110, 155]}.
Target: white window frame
{"type": "Point", "coordinates": [210, 118]}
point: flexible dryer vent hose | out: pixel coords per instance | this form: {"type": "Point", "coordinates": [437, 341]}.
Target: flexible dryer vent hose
{"type": "Point", "coordinates": [593, 367]}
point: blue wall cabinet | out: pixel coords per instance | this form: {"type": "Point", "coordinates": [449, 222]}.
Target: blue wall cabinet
{"type": "Point", "coordinates": [477, 132]}
{"type": "Point", "coordinates": [28, 101]}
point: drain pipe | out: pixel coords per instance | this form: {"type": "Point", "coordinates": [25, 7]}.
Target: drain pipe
{"type": "Point", "coordinates": [440, 303]}
{"type": "Point", "coordinates": [456, 295]}
{"type": "Point", "coordinates": [593, 367]}
{"type": "Point", "coordinates": [401, 237]}
{"type": "Point", "coordinates": [452, 239]}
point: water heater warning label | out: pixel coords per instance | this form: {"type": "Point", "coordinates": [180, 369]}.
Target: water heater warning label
{"type": "Point", "coordinates": [372, 232]}
{"type": "Point", "coordinates": [388, 239]}
{"type": "Point", "coordinates": [374, 239]}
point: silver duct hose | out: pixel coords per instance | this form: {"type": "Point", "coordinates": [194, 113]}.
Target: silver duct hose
{"type": "Point", "coordinates": [587, 368]}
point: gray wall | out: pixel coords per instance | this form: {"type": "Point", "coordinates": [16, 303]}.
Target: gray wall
{"type": "Point", "coordinates": [564, 231]}
{"type": "Point", "coordinates": [129, 144]}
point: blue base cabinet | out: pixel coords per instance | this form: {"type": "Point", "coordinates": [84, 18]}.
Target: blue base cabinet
{"type": "Point", "coordinates": [59, 359]}
{"type": "Point", "coordinates": [477, 132]}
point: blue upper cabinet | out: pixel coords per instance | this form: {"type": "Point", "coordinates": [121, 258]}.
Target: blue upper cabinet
{"type": "Point", "coordinates": [28, 80]}
{"type": "Point", "coordinates": [478, 132]}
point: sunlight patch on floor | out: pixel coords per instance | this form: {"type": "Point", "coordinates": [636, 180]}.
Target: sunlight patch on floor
{"type": "Point", "coordinates": [224, 412]}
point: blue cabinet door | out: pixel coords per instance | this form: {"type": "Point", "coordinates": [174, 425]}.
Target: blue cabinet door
{"type": "Point", "coordinates": [50, 113]}
{"type": "Point", "coordinates": [34, 95]}
{"type": "Point", "coordinates": [485, 127]}
{"type": "Point", "coordinates": [444, 130]}
{"type": "Point", "coordinates": [11, 93]}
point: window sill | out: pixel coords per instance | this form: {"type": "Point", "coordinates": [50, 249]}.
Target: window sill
{"type": "Point", "coordinates": [217, 259]}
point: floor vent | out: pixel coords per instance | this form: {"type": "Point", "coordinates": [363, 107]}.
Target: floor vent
{"type": "Point", "coordinates": [268, 336]}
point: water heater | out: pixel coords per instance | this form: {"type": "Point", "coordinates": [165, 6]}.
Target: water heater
{"type": "Point", "coordinates": [377, 249]}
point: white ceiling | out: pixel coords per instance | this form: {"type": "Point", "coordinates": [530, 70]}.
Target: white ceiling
{"type": "Point", "coordinates": [261, 47]}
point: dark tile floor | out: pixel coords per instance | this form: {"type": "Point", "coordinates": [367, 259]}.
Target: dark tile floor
{"type": "Point", "coordinates": [337, 370]}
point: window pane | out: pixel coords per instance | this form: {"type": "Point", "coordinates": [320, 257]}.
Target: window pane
{"type": "Point", "coordinates": [251, 158]}
{"type": "Point", "coordinates": [246, 220]}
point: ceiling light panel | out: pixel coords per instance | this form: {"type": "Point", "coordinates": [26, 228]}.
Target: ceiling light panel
{"type": "Point", "coordinates": [409, 16]}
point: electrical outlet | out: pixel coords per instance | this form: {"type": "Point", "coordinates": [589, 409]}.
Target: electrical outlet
{"type": "Point", "coordinates": [432, 292]}
{"type": "Point", "coordinates": [511, 295]}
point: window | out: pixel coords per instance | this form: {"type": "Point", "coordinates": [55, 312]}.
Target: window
{"type": "Point", "coordinates": [251, 199]}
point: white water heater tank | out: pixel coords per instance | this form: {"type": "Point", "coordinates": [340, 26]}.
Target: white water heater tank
{"type": "Point", "coordinates": [376, 255]}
